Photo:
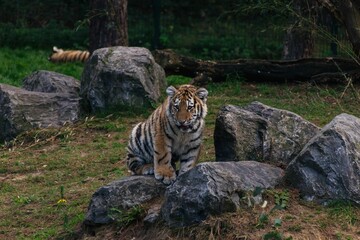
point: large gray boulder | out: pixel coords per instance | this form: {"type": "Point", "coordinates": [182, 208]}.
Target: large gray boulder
{"type": "Point", "coordinates": [121, 76]}
{"type": "Point", "coordinates": [261, 133]}
{"type": "Point", "coordinates": [213, 188]}
{"type": "Point", "coordinates": [122, 195]}
{"type": "Point", "coordinates": [51, 82]}
{"type": "Point", "coordinates": [209, 188]}
{"type": "Point", "coordinates": [328, 167]}
{"type": "Point", "coordinates": [22, 110]}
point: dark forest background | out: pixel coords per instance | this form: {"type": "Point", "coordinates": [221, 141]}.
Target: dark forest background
{"type": "Point", "coordinates": [209, 29]}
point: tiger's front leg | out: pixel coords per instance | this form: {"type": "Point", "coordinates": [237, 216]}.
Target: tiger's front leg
{"type": "Point", "coordinates": [163, 169]}
{"type": "Point", "coordinates": [189, 159]}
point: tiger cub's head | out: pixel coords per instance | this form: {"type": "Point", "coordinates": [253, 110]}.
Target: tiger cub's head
{"type": "Point", "coordinates": [187, 105]}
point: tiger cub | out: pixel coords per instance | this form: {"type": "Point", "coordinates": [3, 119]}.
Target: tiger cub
{"type": "Point", "coordinates": [173, 132]}
{"type": "Point", "coordinates": [60, 55]}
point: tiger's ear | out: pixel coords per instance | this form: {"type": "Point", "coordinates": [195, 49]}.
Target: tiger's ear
{"type": "Point", "coordinates": [202, 93]}
{"type": "Point", "coordinates": [170, 91]}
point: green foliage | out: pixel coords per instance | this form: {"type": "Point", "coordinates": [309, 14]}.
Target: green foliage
{"type": "Point", "coordinates": [16, 64]}
{"type": "Point", "coordinates": [39, 13]}
{"type": "Point", "coordinates": [274, 235]}
{"type": "Point", "coordinates": [23, 200]}
{"type": "Point", "coordinates": [344, 211]}
{"type": "Point", "coordinates": [277, 222]}
{"type": "Point", "coordinates": [281, 199]}
{"type": "Point", "coordinates": [84, 157]}
{"type": "Point", "coordinates": [262, 220]}
{"type": "Point", "coordinates": [43, 38]}
{"type": "Point", "coordinates": [126, 217]}
{"type": "Point", "coordinates": [210, 29]}
{"type": "Point", "coordinates": [227, 40]}
{"type": "Point", "coordinates": [177, 80]}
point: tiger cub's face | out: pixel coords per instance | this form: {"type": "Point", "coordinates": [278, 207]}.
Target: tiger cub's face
{"type": "Point", "coordinates": [187, 106]}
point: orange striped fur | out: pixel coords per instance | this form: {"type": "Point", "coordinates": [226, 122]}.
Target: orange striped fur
{"type": "Point", "coordinates": [60, 55]}
{"type": "Point", "coordinates": [173, 132]}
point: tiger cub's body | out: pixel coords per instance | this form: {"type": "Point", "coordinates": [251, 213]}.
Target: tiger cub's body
{"type": "Point", "coordinates": [60, 55]}
{"type": "Point", "coordinates": [173, 132]}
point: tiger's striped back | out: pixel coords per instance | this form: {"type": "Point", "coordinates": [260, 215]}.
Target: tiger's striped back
{"type": "Point", "coordinates": [59, 55]}
{"type": "Point", "coordinates": [173, 132]}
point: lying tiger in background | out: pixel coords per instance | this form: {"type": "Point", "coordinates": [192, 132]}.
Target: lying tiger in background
{"type": "Point", "coordinates": [60, 55]}
{"type": "Point", "coordinates": [173, 132]}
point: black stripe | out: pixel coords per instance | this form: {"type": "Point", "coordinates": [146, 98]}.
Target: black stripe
{"type": "Point", "coordinates": [151, 140]}
{"type": "Point", "coordinates": [146, 143]}
{"type": "Point", "coordinates": [196, 127]}
{"type": "Point", "coordinates": [73, 57]}
{"type": "Point", "coordinates": [131, 146]}
{"type": "Point", "coordinates": [186, 159]}
{"type": "Point", "coordinates": [83, 56]}
{"type": "Point", "coordinates": [138, 131]}
{"type": "Point", "coordinates": [200, 111]}
{"type": "Point", "coordinates": [166, 134]}
{"type": "Point", "coordinates": [135, 164]}
{"type": "Point", "coordinates": [162, 158]}
{"type": "Point", "coordinates": [195, 139]}
{"type": "Point", "coordinates": [161, 123]}
{"type": "Point", "coordinates": [150, 136]}
{"type": "Point", "coordinates": [192, 149]}
{"type": "Point", "coordinates": [172, 129]}
{"type": "Point", "coordinates": [138, 140]}
{"type": "Point", "coordinates": [153, 118]}
{"type": "Point", "coordinates": [169, 137]}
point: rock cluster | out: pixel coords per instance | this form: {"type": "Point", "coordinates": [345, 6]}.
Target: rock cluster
{"type": "Point", "coordinates": [47, 99]}
{"type": "Point", "coordinates": [112, 77]}
{"type": "Point", "coordinates": [256, 146]}
{"type": "Point", "coordinates": [209, 188]}
{"type": "Point", "coordinates": [323, 164]}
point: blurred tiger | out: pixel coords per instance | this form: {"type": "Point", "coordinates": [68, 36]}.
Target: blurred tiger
{"type": "Point", "coordinates": [59, 55]}
{"type": "Point", "coordinates": [173, 132]}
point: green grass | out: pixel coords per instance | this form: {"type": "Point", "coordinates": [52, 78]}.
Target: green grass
{"type": "Point", "coordinates": [83, 157]}
{"type": "Point", "coordinates": [16, 64]}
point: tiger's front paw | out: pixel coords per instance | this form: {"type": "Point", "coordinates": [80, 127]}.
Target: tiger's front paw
{"type": "Point", "coordinates": [165, 174]}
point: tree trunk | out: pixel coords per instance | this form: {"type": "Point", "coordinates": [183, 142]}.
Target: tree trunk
{"type": "Point", "coordinates": [299, 39]}
{"type": "Point", "coordinates": [348, 13]}
{"type": "Point", "coordinates": [108, 23]}
{"type": "Point", "coordinates": [324, 70]}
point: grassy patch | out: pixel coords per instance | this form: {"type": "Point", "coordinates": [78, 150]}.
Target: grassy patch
{"type": "Point", "coordinates": [16, 64]}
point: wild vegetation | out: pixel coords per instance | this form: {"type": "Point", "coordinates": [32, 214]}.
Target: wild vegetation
{"type": "Point", "coordinates": [47, 176]}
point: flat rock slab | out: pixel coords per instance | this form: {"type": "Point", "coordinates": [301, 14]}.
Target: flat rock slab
{"type": "Point", "coordinates": [122, 195]}
{"type": "Point", "coordinates": [213, 188]}
{"type": "Point", "coordinates": [328, 168]}
{"type": "Point", "coordinates": [22, 110]}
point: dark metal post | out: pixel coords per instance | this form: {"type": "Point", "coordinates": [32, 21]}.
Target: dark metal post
{"type": "Point", "coordinates": [157, 12]}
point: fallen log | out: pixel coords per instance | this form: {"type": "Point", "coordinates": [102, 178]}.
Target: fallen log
{"type": "Point", "coordinates": [324, 70]}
